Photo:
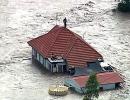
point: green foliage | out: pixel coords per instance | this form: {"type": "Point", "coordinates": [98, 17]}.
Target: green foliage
{"type": "Point", "coordinates": [85, 98]}
{"type": "Point", "coordinates": [92, 88]}
{"type": "Point", "coordinates": [126, 1]}
{"type": "Point", "coordinates": [124, 6]}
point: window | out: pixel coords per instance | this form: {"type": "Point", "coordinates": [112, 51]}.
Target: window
{"type": "Point", "coordinates": [38, 56]}
{"type": "Point", "coordinates": [41, 59]}
{"type": "Point", "coordinates": [101, 88]}
{"type": "Point", "coordinates": [60, 68]}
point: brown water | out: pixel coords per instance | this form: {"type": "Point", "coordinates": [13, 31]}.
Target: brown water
{"type": "Point", "coordinates": [21, 20]}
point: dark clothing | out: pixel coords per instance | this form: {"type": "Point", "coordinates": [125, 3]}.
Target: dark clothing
{"type": "Point", "coordinates": [65, 21]}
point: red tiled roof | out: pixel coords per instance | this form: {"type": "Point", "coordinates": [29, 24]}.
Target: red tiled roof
{"type": "Point", "coordinates": [103, 78]}
{"type": "Point", "coordinates": [62, 42]}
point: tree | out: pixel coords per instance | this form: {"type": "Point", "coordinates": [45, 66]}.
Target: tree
{"type": "Point", "coordinates": [92, 88]}
{"type": "Point", "coordinates": [124, 6]}
{"type": "Point", "coordinates": [126, 1]}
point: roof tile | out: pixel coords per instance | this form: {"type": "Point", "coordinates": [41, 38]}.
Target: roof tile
{"type": "Point", "coordinates": [103, 78]}
{"type": "Point", "coordinates": [63, 42]}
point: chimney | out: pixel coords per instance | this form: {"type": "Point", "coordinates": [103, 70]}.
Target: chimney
{"type": "Point", "coordinates": [65, 21]}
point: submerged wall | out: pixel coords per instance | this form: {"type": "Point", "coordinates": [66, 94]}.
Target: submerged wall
{"type": "Point", "coordinates": [53, 67]}
{"type": "Point", "coordinates": [108, 86]}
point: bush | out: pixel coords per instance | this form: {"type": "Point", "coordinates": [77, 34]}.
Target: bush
{"type": "Point", "coordinates": [85, 98]}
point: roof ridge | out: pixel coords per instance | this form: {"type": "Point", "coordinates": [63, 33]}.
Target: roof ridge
{"type": "Point", "coordinates": [58, 31]}
{"type": "Point", "coordinates": [71, 45]}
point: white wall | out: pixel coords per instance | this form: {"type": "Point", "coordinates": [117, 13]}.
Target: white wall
{"type": "Point", "coordinates": [46, 64]}
{"type": "Point", "coordinates": [38, 56]}
{"type": "Point", "coordinates": [108, 86]}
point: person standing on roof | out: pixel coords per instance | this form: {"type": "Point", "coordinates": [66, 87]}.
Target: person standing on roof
{"type": "Point", "coordinates": [65, 21]}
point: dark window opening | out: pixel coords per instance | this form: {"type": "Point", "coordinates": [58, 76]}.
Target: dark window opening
{"type": "Point", "coordinates": [64, 69]}
{"type": "Point", "coordinates": [72, 71]}
{"type": "Point", "coordinates": [117, 85]}
{"type": "Point", "coordinates": [101, 88]}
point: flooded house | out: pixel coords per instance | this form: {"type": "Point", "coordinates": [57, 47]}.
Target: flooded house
{"type": "Point", "coordinates": [107, 81]}
{"type": "Point", "coordinates": [61, 50]}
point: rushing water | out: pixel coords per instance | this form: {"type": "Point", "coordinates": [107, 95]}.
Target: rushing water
{"type": "Point", "coordinates": [21, 20]}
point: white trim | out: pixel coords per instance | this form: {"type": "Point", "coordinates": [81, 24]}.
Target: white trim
{"type": "Point", "coordinates": [38, 56]}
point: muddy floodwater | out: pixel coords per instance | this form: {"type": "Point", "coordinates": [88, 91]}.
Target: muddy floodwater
{"type": "Point", "coordinates": [21, 20]}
